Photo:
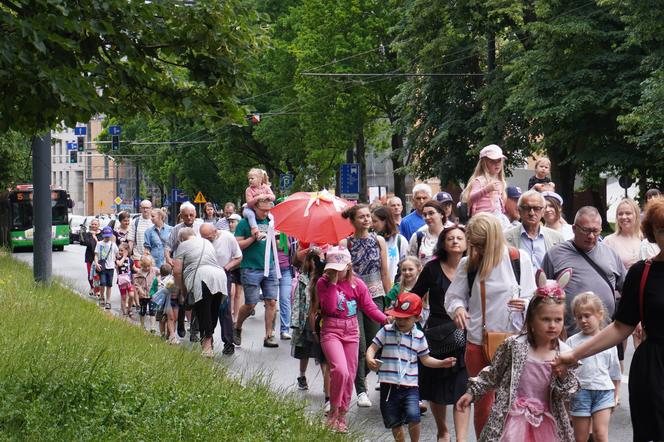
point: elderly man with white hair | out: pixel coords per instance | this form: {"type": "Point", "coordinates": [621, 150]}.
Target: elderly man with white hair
{"type": "Point", "coordinates": [531, 236]}
{"type": "Point", "coordinates": [188, 215]}
{"type": "Point", "coordinates": [136, 234]}
{"type": "Point", "coordinates": [409, 225]}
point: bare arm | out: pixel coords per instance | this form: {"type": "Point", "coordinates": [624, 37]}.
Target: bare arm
{"type": "Point", "coordinates": [384, 275]}
{"type": "Point", "coordinates": [177, 273]}
{"type": "Point", "coordinates": [370, 356]}
{"type": "Point", "coordinates": [613, 334]}
{"type": "Point", "coordinates": [245, 242]}
{"type": "Point", "coordinates": [232, 264]}
{"type": "Point", "coordinates": [430, 362]}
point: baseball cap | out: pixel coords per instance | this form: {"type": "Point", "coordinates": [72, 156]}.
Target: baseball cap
{"type": "Point", "coordinates": [408, 304]}
{"type": "Point", "coordinates": [554, 195]}
{"type": "Point", "coordinates": [235, 217]}
{"type": "Point", "coordinates": [443, 197]}
{"type": "Point", "coordinates": [492, 151]}
{"type": "Point", "coordinates": [513, 192]}
{"type": "Point", "coordinates": [337, 258]}
{"type": "Point", "coordinates": [106, 232]}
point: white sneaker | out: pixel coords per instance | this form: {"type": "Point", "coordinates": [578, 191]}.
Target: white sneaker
{"type": "Point", "coordinates": [326, 407]}
{"type": "Point", "coordinates": [363, 400]}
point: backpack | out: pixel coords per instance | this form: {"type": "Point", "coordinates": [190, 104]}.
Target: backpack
{"type": "Point", "coordinates": [515, 259]}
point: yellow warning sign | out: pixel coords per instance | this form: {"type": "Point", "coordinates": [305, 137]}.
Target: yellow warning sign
{"type": "Point", "coordinates": [200, 199]}
{"type": "Point", "coordinates": [101, 203]}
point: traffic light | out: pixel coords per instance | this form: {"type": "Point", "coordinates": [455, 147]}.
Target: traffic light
{"type": "Point", "coordinates": [80, 141]}
{"type": "Point", "coordinates": [115, 142]}
{"type": "Point", "coordinates": [73, 156]}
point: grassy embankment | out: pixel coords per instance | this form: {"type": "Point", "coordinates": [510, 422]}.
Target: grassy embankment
{"type": "Point", "coordinates": [69, 371]}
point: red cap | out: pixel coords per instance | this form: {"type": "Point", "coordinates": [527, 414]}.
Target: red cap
{"type": "Point", "coordinates": [408, 304]}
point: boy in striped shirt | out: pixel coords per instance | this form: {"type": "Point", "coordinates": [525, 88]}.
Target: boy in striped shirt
{"type": "Point", "coordinates": [402, 344]}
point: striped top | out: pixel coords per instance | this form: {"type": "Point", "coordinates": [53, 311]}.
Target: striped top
{"type": "Point", "coordinates": [400, 353]}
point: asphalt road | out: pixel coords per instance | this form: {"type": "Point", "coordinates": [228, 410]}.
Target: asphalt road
{"type": "Point", "coordinates": [280, 370]}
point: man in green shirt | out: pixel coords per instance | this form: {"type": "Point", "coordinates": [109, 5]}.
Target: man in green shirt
{"type": "Point", "coordinates": [255, 276]}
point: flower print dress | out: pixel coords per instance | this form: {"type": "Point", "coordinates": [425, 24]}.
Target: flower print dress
{"type": "Point", "coordinates": [365, 253]}
{"type": "Point", "coordinates": [530, 418]}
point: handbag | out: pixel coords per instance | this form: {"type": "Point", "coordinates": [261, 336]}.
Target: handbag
{"type": "Point", "coordinates": [490, 340]}
{"type": "Point", "coordinates": [124, 279]}
{"type": "Point", "coordinates": [444, 339]}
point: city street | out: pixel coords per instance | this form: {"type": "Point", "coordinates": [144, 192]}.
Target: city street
{"type": "Point", "coordinates": [281, 370]}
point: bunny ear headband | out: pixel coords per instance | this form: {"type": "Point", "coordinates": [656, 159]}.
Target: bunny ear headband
{"type": "Point", "coordinates": [552, 288]}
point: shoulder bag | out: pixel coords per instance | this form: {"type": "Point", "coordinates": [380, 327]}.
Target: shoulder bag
{"type": "Point", "coordinates": [490, 340]}
{"type": "Point", "coordinates": [595, 267]}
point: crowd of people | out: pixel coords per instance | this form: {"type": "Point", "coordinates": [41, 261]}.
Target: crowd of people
{"type": "Point", "coordinates": [500, 303]}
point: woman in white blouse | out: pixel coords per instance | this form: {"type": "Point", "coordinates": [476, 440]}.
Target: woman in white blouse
{"type": "Point", "coordinates": [626, 241]}
{"type": "Point", "coordinates": [506, 297]}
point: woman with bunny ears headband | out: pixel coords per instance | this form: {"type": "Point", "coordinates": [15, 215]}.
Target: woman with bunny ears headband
{"type": "Point", "coordinates": [530, 396]}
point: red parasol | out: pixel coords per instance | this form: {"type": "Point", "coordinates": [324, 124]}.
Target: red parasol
{"type": "Point", "coordinates": [313, 217]}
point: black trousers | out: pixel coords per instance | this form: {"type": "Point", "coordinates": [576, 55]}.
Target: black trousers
{"type": "Point", "coordinates": [225, 317]}
{"type": "Point", "coordinates": [207, 312]}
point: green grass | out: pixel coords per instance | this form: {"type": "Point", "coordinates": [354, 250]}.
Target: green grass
{"type": "Point", "coordinates": [69, 371]}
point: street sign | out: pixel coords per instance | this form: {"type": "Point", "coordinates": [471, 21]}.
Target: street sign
{"type": "Point", "coordinates": [285, 181]}
{"type": "Point", "coordinates": [118, 200]}
{"type": "Point", "coordinates": [71, 146]}
{"type": "Point", "coordinates": [167, 202]}
{"type": "Point", "coordinates": [179, 196]}
{"type": "Point", "coordinates": [350, 180]}
{"type": "Point", "coordinates": [200, 199]}
{"type": "Point", "coordinates": [114, 130]}
{"type": "Point", "coordinates": [80, 130]}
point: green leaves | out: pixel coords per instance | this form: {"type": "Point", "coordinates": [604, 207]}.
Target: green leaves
{"type": "Point", "coordinates": [66, 61]}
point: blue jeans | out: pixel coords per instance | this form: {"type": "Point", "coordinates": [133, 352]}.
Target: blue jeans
{"type": "Point", "coordinates": [285, 299]}
{"type": "Point", "coordinates": [399, 405]}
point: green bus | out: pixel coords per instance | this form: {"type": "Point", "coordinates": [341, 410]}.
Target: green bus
{"type": "Point", "coordinates": [16, 218]}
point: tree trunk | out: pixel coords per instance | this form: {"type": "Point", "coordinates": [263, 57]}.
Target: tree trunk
{"type": "Point", "coordinates": [563, 175]}
{"type": "Point", "coordinates": [361, 158]}
{"type": "Point", "coordinates": [397, 163]}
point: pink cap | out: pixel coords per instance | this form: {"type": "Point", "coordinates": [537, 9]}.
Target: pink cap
{"type": "Point", "coordinates": [493, 152]}
{"type": "Point", "coordinates": [337, 258]}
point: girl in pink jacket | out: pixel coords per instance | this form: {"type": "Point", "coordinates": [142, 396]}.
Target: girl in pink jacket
{"type": "Point", "coordinates": [341, 295]}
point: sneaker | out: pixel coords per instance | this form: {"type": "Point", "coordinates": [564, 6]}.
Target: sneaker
{"type": "Point", "coordinates": [423, 407]}
{"type": "Point", "coordinates": [173, 340]}
{"type": "Point", "coordinates": [208, 353]}
{"type": "Point", "coordinates": [181, 332]}
{"type": "Point", "coordinates": [326, 407]}
{"type": "Point", "coordinates": [107, 306]}
{"type": "Point", "coordinates": [285, 336]}
{"type": "Point", "coordinates": [237, 336]}
{"type": "Point", "coordinates": [193, 337]}
{"type": "Point", "coordinates": [302, 383]}
{"type": "Point", "coordinates": [270, 342]}
{"type": "Point", "coordinates": [228, 350]}
{"type": "Point", "coordinates": [363, 400]}
{"type": "Point", "coordinates": [253, 312]}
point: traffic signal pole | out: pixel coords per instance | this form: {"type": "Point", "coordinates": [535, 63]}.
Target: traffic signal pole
{"type": "Point", "coordinates": [41, 203]}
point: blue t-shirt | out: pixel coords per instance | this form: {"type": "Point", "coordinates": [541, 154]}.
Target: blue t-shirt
{"type": "Point", "coordinates": [410, 224]}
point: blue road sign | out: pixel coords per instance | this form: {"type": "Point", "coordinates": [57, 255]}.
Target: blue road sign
{"type": "Point", "coordinates": [80, 130]}
{"type": "Point", "coordinates": [114, 130]}
{"type": "Point", "coordinates": [285, 181]}
{"type": "Point", "coordinates": [179, 196]}
{"type": "Point", "coordinates": [350, 179]}
{"type": "Point", "coordinates": [72, 146]}
{"type": "Point", "coordinates": [167, 202]}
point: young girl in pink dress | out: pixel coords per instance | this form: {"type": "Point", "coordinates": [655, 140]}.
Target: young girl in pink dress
{"type": "Point", "coordinates": [530, 397]}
